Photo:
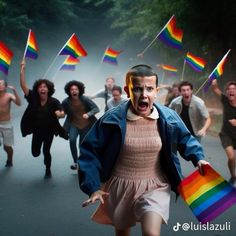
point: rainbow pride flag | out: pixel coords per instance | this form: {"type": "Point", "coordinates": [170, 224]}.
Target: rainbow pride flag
{"type": "Point", "coordinates": [5, 58]}
{"type": "Point", "coordinates": [170, 69]}
{"type": "Point", "coordinates": [31, 49]}
{"type": "Point", "coordinates": [110, 56]}
{"type": "Point", "coordinates": [207, 195]}
{"type": "Point", "coordinates": [217, 72]}
{"type": "Point", "coordinates": [171, 35]}
{"type": "Point", "coordinates": [197, 63]}
{"type": "Point", "coordinates": [73, 48]}
{"type": "Point", "coordinates": [69, 63]}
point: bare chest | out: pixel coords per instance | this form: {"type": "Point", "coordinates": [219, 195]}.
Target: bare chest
{"type": "Point", "coordinates": [5, 102]}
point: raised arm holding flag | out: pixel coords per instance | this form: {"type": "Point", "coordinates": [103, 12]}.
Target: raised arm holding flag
{"type": "Point", "coordinates": [217, 72]}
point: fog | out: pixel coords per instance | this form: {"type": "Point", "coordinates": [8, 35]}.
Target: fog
{"type": "Point", "coordinates": [90, 70]}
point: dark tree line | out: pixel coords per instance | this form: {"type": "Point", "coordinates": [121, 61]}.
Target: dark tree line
{"type": "Point", "coordinates": [208, 24]}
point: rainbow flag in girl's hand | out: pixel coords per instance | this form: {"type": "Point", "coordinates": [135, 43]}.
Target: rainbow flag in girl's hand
{"type": "Point", "coordinates": [171, 35]}
{"type": "Point", "coordinates": [69, 63]}
{"type": "Point", "coordinates": [207, 195]}
{"type": "Point", "coordinates": [5, 58]}
{"type": "Point", "coordinates": [73, 48]}
{"type": "Point", "coordinates": [110, 56]}
{"type": "Point", "coordinates": [196, 63]}
{"type": "Point", "coordinates": [31, 50]}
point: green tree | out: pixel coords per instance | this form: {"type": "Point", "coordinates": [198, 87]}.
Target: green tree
{"type": "Point", "coordinates": [207, 24]}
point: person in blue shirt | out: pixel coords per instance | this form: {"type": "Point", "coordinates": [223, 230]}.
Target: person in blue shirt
{"type": "Point", "coordinates": [128, 160]}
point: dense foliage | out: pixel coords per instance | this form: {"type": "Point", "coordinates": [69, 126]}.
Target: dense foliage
{"type": "Point", "coordinates": [207, 24]}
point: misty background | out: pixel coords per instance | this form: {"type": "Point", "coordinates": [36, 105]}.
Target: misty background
{"type": "Point", "coordinates": [123, 25]}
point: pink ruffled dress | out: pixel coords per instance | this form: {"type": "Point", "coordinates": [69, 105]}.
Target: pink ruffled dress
{"type": "Point", "coordinates": [137, 185]}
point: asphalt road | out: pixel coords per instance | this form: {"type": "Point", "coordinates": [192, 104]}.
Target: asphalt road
{"type": "Point", "coordinates": [33, 206]}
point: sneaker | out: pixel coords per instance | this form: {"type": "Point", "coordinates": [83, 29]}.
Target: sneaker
{"type": "Point", "coordinates": [8, 164]}
{"type": "Point", "coordinates": [48, 174]}
{"type": "Point", "coordinates": [73, 167]}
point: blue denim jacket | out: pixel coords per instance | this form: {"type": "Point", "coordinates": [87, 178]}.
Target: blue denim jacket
{"type": "Point", "coordinates": [102, 145]}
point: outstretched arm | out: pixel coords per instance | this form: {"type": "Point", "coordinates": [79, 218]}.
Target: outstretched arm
{"type": "Point", "coordinates": [22, 78]}
{"type": "Point", "coordinates": [215, 88]}
{"type": "Point", "coordinates": [15, 98]}
{"type": "Point", "coordinates": [98, 195]}
{"type": "Point", "coordinates": [202, 131]}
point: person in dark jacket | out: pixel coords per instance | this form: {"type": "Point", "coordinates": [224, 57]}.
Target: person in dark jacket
{"type": "Point", "coordinates": [41, 117]}
{"type": "Point", "coordinates": [80, 111]}
{"type": "Point", "coordinates": [128, 160]}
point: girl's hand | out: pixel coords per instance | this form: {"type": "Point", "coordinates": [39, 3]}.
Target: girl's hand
{"type": "Point", "coordinates": [98, 195]}
{"type": "Point", "coordinates": [200, 165]}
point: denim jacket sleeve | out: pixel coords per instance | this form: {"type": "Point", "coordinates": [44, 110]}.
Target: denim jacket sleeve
{"type": "Point", "coordinates": [89, 160]}
{"type": "Point", "coordinates": [100, 150]}
{"type": "Point", "coordinates": [189, 148]}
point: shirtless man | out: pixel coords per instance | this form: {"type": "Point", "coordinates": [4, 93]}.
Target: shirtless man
{"type": "Point", "coordinates": [6, 129]}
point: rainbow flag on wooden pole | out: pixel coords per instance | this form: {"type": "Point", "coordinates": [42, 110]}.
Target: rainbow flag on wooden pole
{"type": "Point", "coordinates": [169, 34]}
{"type": "Point", "coordinates": [216, 73]}
{"type": "Point", "coordinates": [172, 71]}
{"type": "Point", "coordinates": [31, 48]}
{"type": "Point", "coordinates": [5, 58]}
{"type": "Point", "coordinates": [72, 48]}
{"type": "Point", "coordinates": [110, 56]}
{"type": "Point", "coordinates": [197, 63]}
{"type": "Point", "coordinates": [69, 63]}
{"type": "Point", "coordinates": [208, 195]}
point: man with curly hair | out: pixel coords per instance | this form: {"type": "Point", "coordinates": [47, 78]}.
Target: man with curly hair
{"type": "Point", "coordinates": [41, 117]}
{"type": "Point", "coordinates": [80, 111]}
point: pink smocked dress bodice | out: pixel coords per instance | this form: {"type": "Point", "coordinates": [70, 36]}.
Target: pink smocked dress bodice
{"type": "Point", "coordinates": [139, 156]}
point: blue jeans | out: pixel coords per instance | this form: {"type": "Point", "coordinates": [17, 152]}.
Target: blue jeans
{"type": "Point", "coordinates": [73, 135]}
{"type": "Point", "coordinates": [74, 132]}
